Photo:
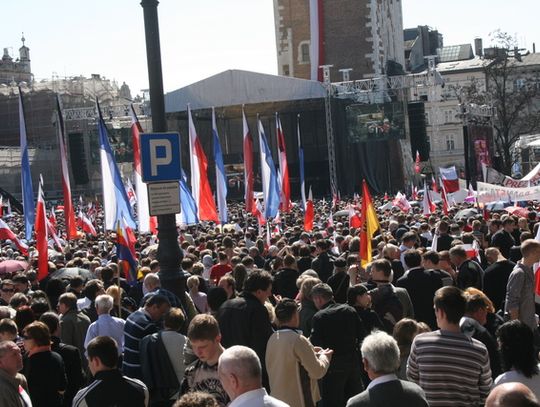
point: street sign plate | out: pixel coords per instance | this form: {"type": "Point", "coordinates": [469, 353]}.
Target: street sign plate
{"type": "Point", "coordinates": [164, 198]}
{"type": "Point", "coordinates": [160, 157]}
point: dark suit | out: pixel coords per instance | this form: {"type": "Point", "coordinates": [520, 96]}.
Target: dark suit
{"type": "Point", "coordinates": [389, 394]}
{"type": "Point", "coordinates": [73, 365]}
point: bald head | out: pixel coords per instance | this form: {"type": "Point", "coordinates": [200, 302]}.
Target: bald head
{"type": "Point", "coordinates": [511, 395]}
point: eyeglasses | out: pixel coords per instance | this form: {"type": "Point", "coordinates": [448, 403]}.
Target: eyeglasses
{"type": "Point", "coordinates": [8, 290]}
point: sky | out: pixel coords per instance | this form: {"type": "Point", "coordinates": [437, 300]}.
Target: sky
{"type": "Point", "coordinates": [204, 37]}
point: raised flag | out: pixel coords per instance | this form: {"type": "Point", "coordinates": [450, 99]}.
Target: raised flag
{"type": "Point", "coordinates": [428, 207]}
{"type": "Point", "coordinates": [69, 211]}
{"type": "Point", "coordinates": [434, 186]}
{"type": "Point", "coordinates": [258, 212]}
{"type": "Point", "coordinates": [301, 164]}
{"type": "Point", "coordinates": [444, 198]}
{"type": "Point", "coordinates": [86, 224]}
{"type": "Point", "coordinates": [248, 164]}
{"type": "Point", "coordinates": [125, 250]}
{"type": "Point", "coordinates": [8, 208]}
{"type": "Point", "coordinates": [417, 163]}
{"type": "Point", "coordinates": [52, 218]}
{"type": "Point", "coordinates": [26, 176]}
{"type": "Point", "coordinates": [285, 197]}
{"type": "Point", "coordinates": [449, 179]}
{"type": "Point", "coordinates": [130, 191]}
{"type": "Point", "coordinates": [316, 24]}
{"type": "Point", "coordinates": [42, 238]}
{"type": "Point", "coordinates": [7, 234]}
{"type": "Point", "coordinates": [221, 177]}
{"type": "Point", "coordinates": [414, 194]}
{"type": "Point", "coordinates": [145, 222]}
{"type": "Point", "coordinates": [401, 202]}
{"type": "Point", "coordinates": [115, 200]}
{"type": "Point", "coordinates": [1, 206]}
{"type": "Point", "coordinates": [309, 214]}
{"type": "Point", "coordinates": [188, 213]}
{"type": "Point", "coordinates": [370, 225]}
{"type": "Point", "coordinates": [268, 176]}
{"type": "Point", "coordinates": [200, 187]}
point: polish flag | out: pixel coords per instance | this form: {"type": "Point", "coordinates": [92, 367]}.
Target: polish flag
{"type": "Point", "coordinates": [42, 238]}
{"type": "Point", "coordinates": [6, 233]}
{"type": "Point", "coordinates": [145, 222]}
{"type": "Point", "coordinates": [86, 225]}
{"type": "Point", "coordinates": [258, 212]}
{"type": "Point", "coordinates": [401, 202]}
{"type": "Point", "coordinates": [428, 207]}
{"type": "Point", "coordinates": [69, 211]}
{"type": "Point", "coordinates": [434, 186]}
{"type": "Point", "coordinates": [248, 164]}
{"type": "Point", "coordinates": [200, 187]}
{"type": "Point", "coordinates": [417, 163]}
{"type": "Point", "coordinates": [309, 214]}
{"type": "Point", "coordinates": [445, 206]}
{"type": "Point", "coordinates": [449, 179]}
{"type": "Point", "coordinates": [52, 218]}
{"type": "Point", "coordinates": [285, 204]}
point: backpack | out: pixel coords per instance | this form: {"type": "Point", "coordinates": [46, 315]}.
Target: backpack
{"type": "Point", "coordinates": [387, 306]}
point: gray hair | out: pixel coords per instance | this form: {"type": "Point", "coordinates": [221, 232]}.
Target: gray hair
{"type": "Point", "coordinates": [104, 303]}
{"type": "Point", "coordinates": [151, 280]}
{"type": "Point", "coordinates": [6, 346]}
{"type": "Point", "coordinates": [382, 352]}
{"type": "Point", "coordinates": [322, 290]}
{"type": "Point", "coordinates": [241, 361]}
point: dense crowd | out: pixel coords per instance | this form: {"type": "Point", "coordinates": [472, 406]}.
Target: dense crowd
{"type": "Point", "coordinates": [442, 314]}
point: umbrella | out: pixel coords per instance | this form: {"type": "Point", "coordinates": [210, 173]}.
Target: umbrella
{"type": "Point", "coordinates": [518, 211]}
{"type": "Point", "coordinates": [147, 250]}
{"type": "Point", "coordinates": [344, 212]}
{"type": "Point", "coordinates": [69, 272]}
{"type": "Point", "coordinates": [466, 213]}
{"type": "Point", "coordinates": [497, 205]}
{"type": "Point", "coordinates": [12, 266]}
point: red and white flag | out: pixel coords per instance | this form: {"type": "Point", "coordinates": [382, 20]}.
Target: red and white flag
{"type": "Point", "coordinates": [145, 222]}
{"type": "Point", "coordinates": [52, 218]}
{"type": "Point", "coordinates": [414, 193]}
{"type": "Point", "coordinates": [449, 179]}
{"type": "Point", "coordinates": [285, 201]}
{"type": "Point", "coordinates": [42, 238]}
{"type": "Point", "coordinates": [428, 207]}
{"type": "Point", "coordinates": [86, 224]}
{"type": "Point", "coordinates": [434, 186]}
{"type": "Point", "coordinates": [444, 197]}
{"type": "Point", "coordinates": [401, 202]}
{"type": "Point", "coordinates": [417, 163]}
{"type": "Point", "coordinates": [7, 234]}
{"type": "Point", "coordinates": [258, 211]}
{"type": "Point", "coordinates": [309, 214]}
{"type": "Point", "coordinates": [248, 164]}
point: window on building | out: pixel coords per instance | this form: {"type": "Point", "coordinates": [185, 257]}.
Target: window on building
{"type": "Point", "coordinates": [303, 52]}
{"type": "Point", "coordinates": [450, 142]}
{"type": "Point", "coordinates": [286, 71]}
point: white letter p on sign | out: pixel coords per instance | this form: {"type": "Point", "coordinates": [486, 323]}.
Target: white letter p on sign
{"type": "Point", "coordinates": [156, 161]}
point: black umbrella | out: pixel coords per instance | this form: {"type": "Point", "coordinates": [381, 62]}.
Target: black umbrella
{"type": "Point", "coordinates": [466, 214]}
{"type": "Point", "coordinates": [68, 273]}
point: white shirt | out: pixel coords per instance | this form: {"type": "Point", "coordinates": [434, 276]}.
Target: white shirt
{"type": "Point", "coordinates": [532, 383]}
{"type": "Point", "coordinates": [382, 379]}
{"type": "Point", "coordinates": [257, 398]}
{"type": "Point", "coordinates": [83, 303]}
{"type": "Point", "coordinates": [107, 325]}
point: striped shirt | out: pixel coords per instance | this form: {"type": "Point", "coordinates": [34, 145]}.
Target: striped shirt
{"type": "Point", "coordinates": [452, 369]}
{"type": "Point", "coordinates": [137, 326]}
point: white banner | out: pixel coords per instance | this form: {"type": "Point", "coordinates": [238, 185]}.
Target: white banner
{"type": "Point", "coordinates": [530, 180]}
{"type": "Point", "coordinates": [492, 193]}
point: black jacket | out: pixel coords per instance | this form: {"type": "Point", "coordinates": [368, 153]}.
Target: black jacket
{"type": "Point", "coordinates": [495, 280]}
{"type": "Point", "coordinates": [340, 284]}
{"type": "Point", "coordinates": [46, 378]}
{"type": "Point", "coordinates": [470, 274]}
{"type": "Point", "coordinates": [285, 283]}
{"type": "Point", "coordinates": [390, 394]}
{"type": "Point", "coordinates": [73, 366]}
{"type": "Point", "coordinates": [323, 265]}
{"type": "Point", "coordinates": [503, 241]}
{"type": "Point", "coordinates": [473, 329]}
{"type": "Point", "coordinates": [111, 389]}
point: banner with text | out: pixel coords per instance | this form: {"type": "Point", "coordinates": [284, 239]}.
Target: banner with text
{"type": "Point", "coordinates": [492, 193]}
{"type": "Point", "coordinates": [530, 180]}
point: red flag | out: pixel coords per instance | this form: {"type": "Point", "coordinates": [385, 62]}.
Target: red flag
{"type": "Point", "coordinates": [257, 211]}
{"type": "Point", "coordinates": [86, 225]}
{"type": "Point", "coordinates": [52, 218]}
{"type": "Point", "coordinates": [309, 215]}
{"type": "Point", "coordinates": [445, 206]}
{"type": "Point", "coordinates": [69, 211]}
{"type": "Point", "coordinates": [248, 164]}
{"type": "Point", "coordinates": [450, 180]}
{"type": "Point", "coordinates": [41, 237]}
{"type": "Point", "coordinates": [285, 204]}
{"type": "Point", "coordinates": [434, 187]}
{"type": "Point", "coordinates": [125, 249]}
{"type": "Point", "coordinates": [370, 224]}
{"type": "Point", "coordinates": [6, 233]}
{"type": "Point", "coordinates": [417, 163]}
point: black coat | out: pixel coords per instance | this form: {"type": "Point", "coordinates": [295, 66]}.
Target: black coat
{"type": "Point", "coordinates": [46, 378]}
{"type": "Point", "coordinates": [340, 284]}
{"type": "Point", "coordinates": [323, 265]}
{"type": "Point", "coordinates": [392, 393]}
{"type": "Point", "coordinates": [495, 280]}
{"type": "Point", "coordinates": [285, 283]}
{"type": "Point", "coordinates": [470, 274]}
{"type": "Point", "coordinates": [73, 366]}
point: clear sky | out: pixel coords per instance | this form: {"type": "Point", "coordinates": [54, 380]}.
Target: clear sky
{"type": "Point", "coordinates": [204, 37]}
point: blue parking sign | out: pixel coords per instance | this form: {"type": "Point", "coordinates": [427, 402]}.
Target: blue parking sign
{"type": "Point", "coordinates": [160, 157]}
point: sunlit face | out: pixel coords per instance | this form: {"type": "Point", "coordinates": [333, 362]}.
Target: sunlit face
{"type": "Point", "coordinates": [11, 362]}
{"type": "Point", "coordinates": [206, 349]}
{"type": "Point", "coordinates": [6, 292]}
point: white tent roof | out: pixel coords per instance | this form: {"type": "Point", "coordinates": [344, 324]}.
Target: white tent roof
{"type": "Point", "coordinates": [236, 87]}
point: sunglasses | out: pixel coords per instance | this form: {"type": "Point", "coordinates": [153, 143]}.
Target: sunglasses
{"type": "Point", "coordinates": [8, 290]}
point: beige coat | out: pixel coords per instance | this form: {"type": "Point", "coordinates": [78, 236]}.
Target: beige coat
{"type": "Point", "coordinates": [294, 368]}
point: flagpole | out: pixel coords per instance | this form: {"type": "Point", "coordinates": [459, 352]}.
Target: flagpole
{"type": "Point", "coordinates": [169, 254]}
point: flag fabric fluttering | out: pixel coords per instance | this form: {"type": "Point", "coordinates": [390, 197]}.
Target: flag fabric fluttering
{"type": "Point", "coordinates": [42, 239]}
{"type": "Point", "coordinates": [200, 187]}
{"type": "Point", "coordinates": [444, 198]}
{"type": "Point", "coordinates": [309, 214]}
{"type": "Point", "coordinates": [130, 191]}
{"type": "Point", "coordinates": [248, 164]}
{"type": "Point", "coordinates": [434, 186]}
{"type": "Point", "coordinates": [401, 202]}
{"type": "Point", "coordinates": [417, 163]}
{"type": "Point", "coordinates": [26, 176]}
{"type": "Point", "coordinates": [258, 212]}
{"type": "Point", "coordinates": [7, 234]}
{"type": "Point", "coordinates": [268, 176]}
{"type": "Point", "coordinates": [221, 177]}
{"type": "Point", "coordinates": [188, 214]}
{"type": "Point", "coordinates": [471, 195]}
{"type": "Point", "coordinates": [285, 197]}
{"type": "Point", "coordinates": [301, 164]}
{"type": "Point", "coordinates": [145, 222]}
{"type": "Point", "coordinates": [449, 179]}
{"type": "Point", "coordinates": [52, 218]}
{"type": "Point", "coordinates": [115, 200]}
{"type": "Point", "coordinates": [428, 207]}
{"type": "Point", "coordinates": [125, 250]}
{"type": "Point", "coordinates": [86, 224]}
{"type": "Point", "coordinates": [69, 211]}
{"type": "Point", "coordinates": [370, 225]}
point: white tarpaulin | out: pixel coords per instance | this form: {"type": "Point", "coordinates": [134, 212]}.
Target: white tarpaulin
{"type": "Point", "coordinates": [530, 180]}
{"type": "Point", "coordinates": [491, 193]}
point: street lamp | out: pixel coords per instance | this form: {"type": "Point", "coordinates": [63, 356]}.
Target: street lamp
{"type": "Point", "coordinates": [169, 254]}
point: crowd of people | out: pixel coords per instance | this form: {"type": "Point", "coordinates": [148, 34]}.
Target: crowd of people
{"type": "Point", "coordinates": [442, 314]}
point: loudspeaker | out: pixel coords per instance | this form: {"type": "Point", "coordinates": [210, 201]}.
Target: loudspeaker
{"type": "Point", "coordinates": [78, 158]}
{"type": "Point", "coordinates": [417, 127]}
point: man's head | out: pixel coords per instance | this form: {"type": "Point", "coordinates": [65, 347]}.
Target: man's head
{"type": "Point", "coordinates": [391, 252]}
{"type": "Point", "coordinates": [530, 249]}
{"type": "Point", "coordinates": [430, 260]}
{"type": "Point", "coordinates": [21, 283]}
{"type": "Point", "coordinates": [381, 271]}
{"type": "Point", "coordinates": [228, 283]}
{"type": "Point", "coordinates": [102, 354]}
{"type": "Point", "coordinates": [476, 308]}
{"type": "Point", "coordinates": [493, 255]}
{"type": "Point", "coordinates": [449, 305]}
{"type": "Point", "coordinates": [104, 304]}
{"type": "Point", "coordinates": [8, 330]}
{"type": "Point", "coordinates": [10, 358]}
{"type": "Point", "coordinates": [380, 354]}
{"type": "Point", "coordinates": [409, 239]}
{"type": "Point", "coordinates": [151, 282]}
{"type": "Point", "coordinates": [157, 305]}
{"type": "Point", "coordinates": [412, 258]}
{"type": "Point", "coordinates": [67, 302]}
{"type": "Point", "coordinates": [458, 255]}
{"type": "Point", "coordinates": [239, 371]}
{"type": "Point", "coordinates": [205, 337]}
{"type": "Point", "coordinates": [287, 313]}
{"type": "Point", "coordinates": [321, 294]}
{"type": "Point", "coordinates": [173, 320]}
{"type": "Point", "coordinates": [52, 321]}
{"type": "Point", "coordinates": [259, 283]}
{"type": "Point", "coordinates": [7, 289]}
{"type": "Point", "coordinates": [509, 224]}
{"type": "Point", "coordinates": [511, 395]}
{"type": "Point", "coordinates": [93, 288]}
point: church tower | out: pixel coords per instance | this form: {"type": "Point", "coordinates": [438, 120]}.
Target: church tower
{"type": "Point", "coordinates": [24, 57]}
